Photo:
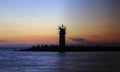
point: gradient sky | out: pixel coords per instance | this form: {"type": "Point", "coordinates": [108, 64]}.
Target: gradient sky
{"type": "Point", "coordinates": [37, 21]}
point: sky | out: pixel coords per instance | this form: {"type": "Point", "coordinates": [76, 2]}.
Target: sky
{"type": "Point", "coordinates": [37, 21]}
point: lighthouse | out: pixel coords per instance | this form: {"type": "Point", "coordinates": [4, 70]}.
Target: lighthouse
{"type": "Point", "coordinates": [62, 32]}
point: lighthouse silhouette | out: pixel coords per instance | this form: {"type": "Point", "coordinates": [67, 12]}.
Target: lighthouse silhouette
{"type": "Point", "coordinates": [62, 32]}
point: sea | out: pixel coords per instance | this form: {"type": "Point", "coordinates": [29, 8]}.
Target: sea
{"type": "Point", "coordinates": [18, 61]}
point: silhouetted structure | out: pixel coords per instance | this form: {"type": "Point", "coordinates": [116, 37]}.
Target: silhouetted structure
{"type": "Point", "coordinates": [63, 48]}
{"type": "Point", "coordinates": [55, 48]}
{"type": "Point", "coordinates": [62, 32]}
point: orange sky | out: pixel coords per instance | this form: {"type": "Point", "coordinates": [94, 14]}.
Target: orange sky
{"type": "Point", "coordinates": [36, 22]}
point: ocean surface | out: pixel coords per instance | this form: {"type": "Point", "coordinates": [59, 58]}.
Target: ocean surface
{"type": "Point", "coordinates": [14, 61]}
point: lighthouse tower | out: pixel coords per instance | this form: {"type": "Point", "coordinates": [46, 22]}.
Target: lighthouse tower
{"type": "Point", "coordinates": [62, 32]}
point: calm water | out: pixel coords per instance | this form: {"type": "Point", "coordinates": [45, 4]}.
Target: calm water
{"type": "Point", "coordinates": [11, 61]}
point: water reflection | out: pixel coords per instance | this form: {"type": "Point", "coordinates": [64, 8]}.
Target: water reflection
{"type": "Point", "coordinates": [59, 62]}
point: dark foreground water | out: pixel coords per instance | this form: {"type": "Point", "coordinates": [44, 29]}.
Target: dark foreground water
{"type": "Point", "coordinates": [11, 61]}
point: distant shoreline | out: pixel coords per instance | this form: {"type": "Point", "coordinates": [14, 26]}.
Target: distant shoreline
{"type": "Point", "coordinates": [71, 48]}
{"type": "Point", "coordinates": [69, 51]}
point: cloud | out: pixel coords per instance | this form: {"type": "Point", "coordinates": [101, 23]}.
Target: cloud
{"type": "Point", "coordinates": [94, 36]}
{"type": "Point", "coordinates": [2, 40]}
{"type": "Point", "coordinates": [79, 39]}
